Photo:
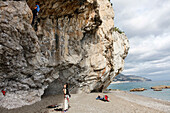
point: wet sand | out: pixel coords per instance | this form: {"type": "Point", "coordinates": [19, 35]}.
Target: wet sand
{"type": "Point", "coordinates": [120, 102]}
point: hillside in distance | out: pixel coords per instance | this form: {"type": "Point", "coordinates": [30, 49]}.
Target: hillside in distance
{"type": "Point", "coordinates": [130, 78]}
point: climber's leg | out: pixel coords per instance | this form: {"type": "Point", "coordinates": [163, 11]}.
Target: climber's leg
{"type": "Point", "coordinates": [36, 26]}
{"type": "Point", "coordinates": [34, 15]}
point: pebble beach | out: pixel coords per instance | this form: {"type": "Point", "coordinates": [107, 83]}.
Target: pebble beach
{"type": "Point", "coordinates": [120, 102]}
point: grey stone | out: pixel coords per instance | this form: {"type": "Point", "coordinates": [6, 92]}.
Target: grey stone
{"type": "Point", "coordinates": [76, 45]}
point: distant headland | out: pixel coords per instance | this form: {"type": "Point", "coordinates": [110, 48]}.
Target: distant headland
{"type": "Point", "coordinates": [129, 78]}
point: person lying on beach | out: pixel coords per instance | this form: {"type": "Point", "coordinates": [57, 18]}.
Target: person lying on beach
{"type": "Point", "coordinates": [99, 97]}
{"type": "Point", "coordinates": [105, 98]}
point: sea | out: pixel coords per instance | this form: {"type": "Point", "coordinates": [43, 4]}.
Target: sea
{"type": "Point", "coordinates": [161, 95]}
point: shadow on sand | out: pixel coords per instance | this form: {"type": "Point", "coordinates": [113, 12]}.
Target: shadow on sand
{"type": "Point", "coordinates": [38, 107]}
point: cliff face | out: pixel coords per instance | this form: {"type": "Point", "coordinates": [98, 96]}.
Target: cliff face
{"type": "Point", "coordinates": [75, 43]}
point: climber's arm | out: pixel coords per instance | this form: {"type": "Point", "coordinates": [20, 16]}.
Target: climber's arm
{"type": "Point", "coordinates": [35, 7]}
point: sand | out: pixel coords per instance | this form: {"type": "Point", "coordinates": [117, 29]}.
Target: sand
{"type": "Point", "coordinates": [86, 103]}
{"type": "Point", "coordinates": [120, 102]}
{"type": "Point", "coordinates": [38, 107]}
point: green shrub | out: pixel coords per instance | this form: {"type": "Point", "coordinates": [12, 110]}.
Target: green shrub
{"type": "Point", "coordinates": [118, 30]}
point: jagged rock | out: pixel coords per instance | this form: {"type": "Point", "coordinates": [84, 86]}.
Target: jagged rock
{"type": "Point", "coordinates": [137, 89]}
{"type": "Point", "coordinates": [75, 43]}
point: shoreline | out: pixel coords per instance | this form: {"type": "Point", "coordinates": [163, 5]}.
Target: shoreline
{"type": "Point", "coordinates": [149, 85]}
{"type": "Point", "coordinates": [149, 97]}
{"type": "Point", "coordinates": [158, 104]}
{"type": "Point", "coordinates": [117, 82]}
{"type": "Point", "coordinates": [120, 101]}
{"type": "Point", "coordinates": [132, 93]}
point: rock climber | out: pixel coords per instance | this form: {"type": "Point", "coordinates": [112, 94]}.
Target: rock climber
{"type": "Point", "coordinates": [35, 12]}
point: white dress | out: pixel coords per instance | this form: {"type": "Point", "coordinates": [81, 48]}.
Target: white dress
{"type": "Point", "coordinates": [66, 99]}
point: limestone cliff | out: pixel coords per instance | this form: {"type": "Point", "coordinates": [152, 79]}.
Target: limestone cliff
{"type": "Point", "coordinates": [75, 43]}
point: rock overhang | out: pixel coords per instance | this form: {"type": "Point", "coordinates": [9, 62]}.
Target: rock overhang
{"type": "Point", "coordinates": [75, 43]}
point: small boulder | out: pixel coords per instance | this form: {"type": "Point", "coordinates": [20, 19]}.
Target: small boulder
{"type": "Point", "coordinates": [158, 89]}
{"type": "Point", "coordinates": [167, 87]}
{"type": "Point", "coordinates": [137, 89]}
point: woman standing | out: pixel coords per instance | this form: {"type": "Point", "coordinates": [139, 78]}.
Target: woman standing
{"type": "Point", "coordinates": [66, 97]}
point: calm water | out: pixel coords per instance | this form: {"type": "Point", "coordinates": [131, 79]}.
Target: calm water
{"type": "Point", "coordinates": [163, 95]}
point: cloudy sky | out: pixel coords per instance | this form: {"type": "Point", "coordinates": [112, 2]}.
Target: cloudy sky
{"type": "Point", "coordinates": [147, 25]}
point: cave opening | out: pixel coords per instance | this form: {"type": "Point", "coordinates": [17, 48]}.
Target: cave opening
{"type": "Point", "coordinates": [54, 88]}
{"type": "Point", "coordinates": [98, 90]}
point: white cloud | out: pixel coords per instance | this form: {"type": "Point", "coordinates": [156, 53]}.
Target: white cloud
{"type": "Point", "coordinates": [146, 17]}
{"type": "Point", "coordinates": [149, 44]}
{"type": "Point", "coordinates": [147, 26]}
{"type": "Point", "coordinates": [149, 56]}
